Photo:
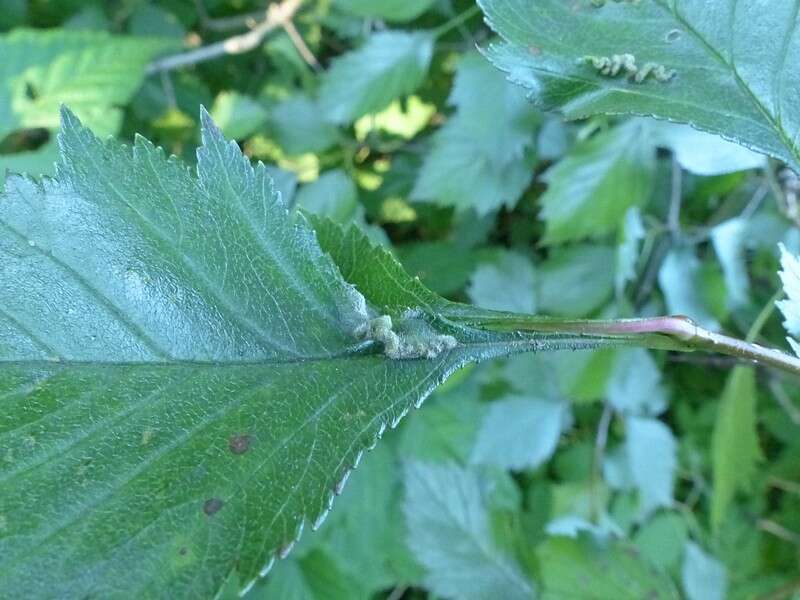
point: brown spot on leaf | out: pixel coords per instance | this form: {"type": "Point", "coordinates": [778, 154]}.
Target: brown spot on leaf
{"type": "Point", "coordinates": [535, 50]}
{"type": "Point", "coordinates": [212, 506]}
{"type": "Point", "coordinates": [239, 444]}
{"type": "Point", "coordinates": [183, 551]}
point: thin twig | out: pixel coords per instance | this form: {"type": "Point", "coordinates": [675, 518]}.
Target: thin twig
{"type": "Point", "coordinates": [678, 333]}
{"type": "Point", "coordinates": [301, 46]}
{"type": "Point", "coordinates": [779, 531]}
{"type": "Point", "coordinates": [675, 198]}
{"type": "Point", "coordinates": [277, 16]}
{"type": "Point", "coordinates": [783, 400]}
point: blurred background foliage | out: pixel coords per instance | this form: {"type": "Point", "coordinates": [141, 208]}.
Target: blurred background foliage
{"type": "Point", "coordinates": [609, 474]}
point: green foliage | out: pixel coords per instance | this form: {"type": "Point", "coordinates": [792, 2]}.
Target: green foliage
{"type": "Point", "coordinates": [445, 503]}
{"type": "Point", "coordinates": [590, 191]}
{"type": "Point", "coordinates": [745, 93]}
{"type": "Point", "coordinates": [191, 364]}
{"type": "Point", "coordinates": [735, 450]}
{"type": "Point", "coordinates": [482, 157]}
{"type": "Point", "coordinates": [389, 65]}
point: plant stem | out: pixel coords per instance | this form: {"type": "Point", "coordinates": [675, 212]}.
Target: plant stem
{"type": "Point", "coordinates": [460, 18]}
{"type": "Point", "coordinates": [677, 333]}
{"type": "Point", "coordinates": [276, 16]}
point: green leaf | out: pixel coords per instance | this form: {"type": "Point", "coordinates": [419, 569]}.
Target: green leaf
{"type": "Point", "coordinates": [703, 576]}
{"type": "Point", "coordinates": [390, 10]}
{"type": "Point", "coordinates": [389, 65]}
{"type": "Point", "coordinates": [730, 240]}
{"type": "Point", "coordinates": [450, 534]}
{"type": "Point", "coordinates": [506, 283]}
{"type": "Point", "coordinates": [735, 451]}
{"type": "Point", "coordinates": [333, 195]}
{"type": "Point", "coordinates": [95, 73]}
{"type": "Point", "coordinates": [680, 279]}
{"type": "Point", "coordinates": [520, 432]}
{"type": "Point", "coordinates": [719, 69]}
{"type": "Point", "coordinates": [587, 569]}
{"type": "Point", "coordinates": [237, 115]}
{"type": "Point", "coordinates": [483, 156]}
{"type": "Point", "coordinates": [576, 280]}
{"type": "Point", "coordinates": [703, 153]}
{"type": "Point", "coordinates": [591, 189]}
{"type": "Point", "coordinates": [661, 540]}
{"type": "Point", "coordinates": [634, 387]}
{"type": "Point", "coordinates": [790, 276]}
{"type": "Point", "coordinates": [651, 453]}
{"type": "Point", "coordinates": [186, 378]}
{"type": "Point", "coordinates": [299, 126]}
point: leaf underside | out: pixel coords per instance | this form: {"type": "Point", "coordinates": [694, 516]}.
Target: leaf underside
{"type": "Point", "coordinates": [183, 381]}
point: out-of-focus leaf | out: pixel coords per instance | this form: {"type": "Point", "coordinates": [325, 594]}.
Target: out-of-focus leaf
{"type": "Point", "coordinates": [237, 115]}
{"type": "Point", "coordinates": [651, 453]}
{"type": "Point", "coordinates": [705, 153]}
{"type": "Point", "coordinates": [790, 276]}
{"type": "Point", "coordinates": [735, 450]}
{"type": "Point", "coordinates": [729, 239]}
{"type": "Point", "coordinates": [520, 432]}
{"type": "Point", "coordinates": [442, 266]}
{"type": "Point", "coordinates": [94, 73]}
{"type": "Point", "coordinates": [299, 126]}
{"type": "Point", "coordinates": [318, 575]}
{"type": "Point", "coordinates": [389, 65]}
{"type": "Point", "coordinates": [153, 20]}
{"type": "Point", "coordinates": [590, 190]}
{"type": "Point", "coordinates": [390, 10]}
{"type": "Point", "coordinates": [635, 384]}
{"type": "Point", "coordinates": [710, 64]}
{"type": "Point", "coordinates": [505, 283]}
{"type": "Point", "coordinates": [702, 575]}
{"type": "Point", "coordinates": [483, 156]}
{"type": "Point", "coordinates": [575, 280]}
{"type": "Point", "coordinates": [333, 195]}
{"type": "Point", "coordinates": [680, 279]}
{"type": "Point", "coordinates": [584, 568]}
{"type": "Point", "coordinates": [631, 235]}
{"type": "Point", "coordinates": [661, 540]}
{"type": "Point", "coordinates": [450, 534]}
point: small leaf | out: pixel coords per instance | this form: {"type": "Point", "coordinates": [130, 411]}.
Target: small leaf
{"type": "Point", "coordinates": [389, 65]}
{"type": "Point", "coordinates": [703, 576]}
{"type": "Point", "coordinates": [703, 153]}
{"type": "Point", "coordinates": [790, 276]}
{"type": "Point", "coordinates": [584, 568]}
{"type": "Point", "coordinates": [651, 453]}
{"type": "Point", "coordinates": [506, 283]}
{"type": "Point", "coordinates": [680, 281]}
{"type": "Point", "coordinates": [590, 190]}
{"type": "Point", "coordinates": [482, 158]}
{"type": "Point", "coordinates": [450, 534]}
{"type": "Point", "coordinates": [333, 195]}
{"type": "Point", "coordinates": [708, 64]}
{"type": "Point", "coordinates": [735, 451]}
{"type": "Point", "coordinates": [730, 239]}
{"type": "Point", "coordinates": [520, 432]}
{"type": "Point", "coordinates": [237, 115]}
{"type": "Point", "coordinates": [299, 126]}
{"type": "Point", "coordinates": [635, 384]}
